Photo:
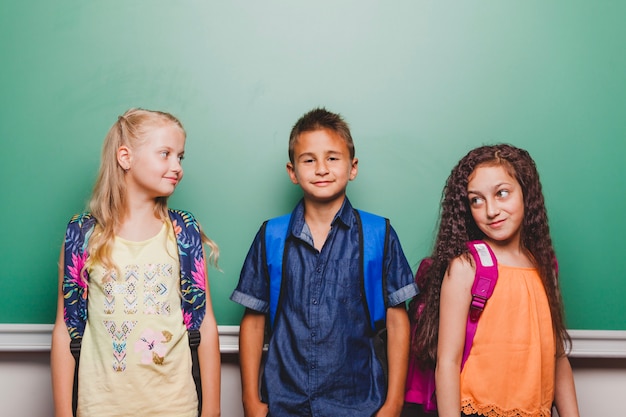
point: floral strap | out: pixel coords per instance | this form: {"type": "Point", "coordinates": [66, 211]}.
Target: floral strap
{"type": "Point", "coordinates": [192, 267]}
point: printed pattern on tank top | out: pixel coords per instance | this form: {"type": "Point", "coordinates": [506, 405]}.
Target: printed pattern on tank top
{"type": "Point", "coordinates": [155, 290]}
{"type": "Point", "coordinates": [155, 282]}
{"type": "Point", "coordinates": [119, 335]}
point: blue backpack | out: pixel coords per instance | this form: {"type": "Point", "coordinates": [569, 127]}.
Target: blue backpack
{"type": "Point", "coordinates": [192, 285]}
{"type": "Point", "coordinates": [373, 242]}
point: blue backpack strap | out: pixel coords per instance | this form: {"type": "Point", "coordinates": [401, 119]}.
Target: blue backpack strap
{"type": "Point", "coordinates": [275, 234]}
{"type": "Point", "coordinates": [375, 232]}
{"type": "Point", "coordinates": [485, 281]}
{"type": "Point", "coordinates": [192, 267]}
{"type": "Point", "coordinates": [75, 279]}
{"type": "Point", "coordinates": [374, 237]}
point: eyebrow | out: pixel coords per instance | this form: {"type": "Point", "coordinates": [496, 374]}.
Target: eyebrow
{"type": "Point", "coordinates": [495, 187]}
{"type": "Point", "coordinates": [326, 153]}
{"type": "Point", "coordinates": [170, 149]}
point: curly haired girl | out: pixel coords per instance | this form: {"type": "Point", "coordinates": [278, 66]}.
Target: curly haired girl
{"type": "Point", "coordinates": [517, 365]}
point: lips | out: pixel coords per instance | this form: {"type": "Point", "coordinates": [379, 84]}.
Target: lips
{"type": "Point", "coordinates": [497, 224]}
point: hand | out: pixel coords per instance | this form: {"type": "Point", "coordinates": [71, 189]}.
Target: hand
{"type": "Point", "coordinates": [256, 409]}
{"type": "Point", "coordinates": [388, 410]}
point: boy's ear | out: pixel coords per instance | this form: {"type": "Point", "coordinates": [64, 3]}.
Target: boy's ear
{"type": "Point", "coordinates": [354, 170]}
{"type": "Point", "coordinates": [292, 173]}
{"type": "Point", "coordinates": [123, 157]}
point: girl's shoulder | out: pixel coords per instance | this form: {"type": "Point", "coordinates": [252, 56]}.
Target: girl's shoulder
{"type": "Point", "coordinates": [462, 270]}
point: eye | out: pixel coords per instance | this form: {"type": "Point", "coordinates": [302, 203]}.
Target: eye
{"type": "Point", "coordinates": [475, 201]}
{"type": "Point", "coordinates": [164, 154]}
{"type": "Point", "coordinates": [180, 158]}
{"type": "Point", "coordinates": [502, 193]}
{"type": "Point", "coordinates": [333, 158]}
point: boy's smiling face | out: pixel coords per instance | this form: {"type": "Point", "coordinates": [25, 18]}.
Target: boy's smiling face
{"type": "Point", "coordinates": [322, 166]}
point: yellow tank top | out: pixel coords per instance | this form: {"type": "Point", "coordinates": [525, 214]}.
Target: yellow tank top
{"type": "Point", "coordinates": [511, 367]}
{"type": "Point", "coordinates": [135, 358]}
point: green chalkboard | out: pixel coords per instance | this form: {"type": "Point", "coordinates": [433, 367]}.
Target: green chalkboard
{"type": "Point", "coordinates": [420, 82]}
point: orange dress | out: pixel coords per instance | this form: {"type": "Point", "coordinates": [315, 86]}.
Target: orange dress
{"type": "Point", "coordinates": [511, 367]}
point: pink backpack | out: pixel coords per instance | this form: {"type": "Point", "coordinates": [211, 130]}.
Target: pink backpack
{"type": "Point", "coordinates": [420, 384]}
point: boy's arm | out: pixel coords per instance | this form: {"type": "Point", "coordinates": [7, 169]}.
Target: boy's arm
{"type": "Point", "coordinates": [398, 329]}
{"type": "Point", "coordinates": [251, 338]}
{"type": "Point", "coordinates": [454, 306]}
{"type": "Point", "coordinates": [62, 362]}
{"type": "Point", "coordinates": [209, 360]}
{"type": "Point", "coordinates": [564, 389]}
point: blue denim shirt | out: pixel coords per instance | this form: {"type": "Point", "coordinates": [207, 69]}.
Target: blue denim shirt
{"type": "Point", "coordinates": [320, 360]}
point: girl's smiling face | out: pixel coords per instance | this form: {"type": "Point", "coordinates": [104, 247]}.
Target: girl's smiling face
{"type": "Point", "coordinates": [154, 167]}
{"type": "Point", "coordinates": [496, 202]}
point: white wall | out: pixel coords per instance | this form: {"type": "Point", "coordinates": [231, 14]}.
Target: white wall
{"type": "Point", "coordinates": [25, 387]}
{"type": "Point", "coordinates": [26, 390]}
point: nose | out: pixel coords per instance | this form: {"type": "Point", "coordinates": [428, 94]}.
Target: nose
{"type": "Point", "coordinates": [321, 168]}
{"type": "Point", "coordinates": [492, 208]}
{"type": "Point", "coordinates": [176, 165]}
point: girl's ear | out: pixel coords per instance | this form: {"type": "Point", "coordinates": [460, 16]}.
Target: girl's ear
{"type": "Point", "coordinates": [123, 157]}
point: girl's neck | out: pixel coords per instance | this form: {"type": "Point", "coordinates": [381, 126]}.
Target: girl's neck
{"type": "Point", "coordinates": [141, 222]}
{"type": "Point", "coordinates": [511, 253]}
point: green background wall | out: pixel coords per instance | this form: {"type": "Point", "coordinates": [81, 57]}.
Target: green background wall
{"type": "Point", "coordinates": [420, 82]}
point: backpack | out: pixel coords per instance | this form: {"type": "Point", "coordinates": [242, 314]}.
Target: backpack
{"type": "Point", "coordinates": [192, 283]}
{"type": "Point", "coordinates": [373, 243]}
{"type": "Point", "coordinates": [420, 383]}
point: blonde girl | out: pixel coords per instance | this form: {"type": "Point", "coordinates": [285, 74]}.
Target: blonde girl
{"type": "Point", "coordinates": [143, 268]}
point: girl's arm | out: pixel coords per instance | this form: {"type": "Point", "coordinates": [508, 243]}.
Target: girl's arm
{"type": "Point", "coordinates": [251, 337]}
{"type": "Point", "coordinates": [453, 310]}
{"type": "Point", "coordinates": [209, 361]}
{"type": "Point", "coordinates": [62, 362]}
{"type": "Point", "coordinates": [564, 389]}
{"type": "Point", "coordinates": [398, 330]}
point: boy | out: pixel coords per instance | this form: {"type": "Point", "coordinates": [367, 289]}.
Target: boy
{"type": "Point", "coordinates": [320, 360]}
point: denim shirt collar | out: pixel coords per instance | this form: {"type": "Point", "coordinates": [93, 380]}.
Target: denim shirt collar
{"type": "Point", "coordinates": [300, 230]}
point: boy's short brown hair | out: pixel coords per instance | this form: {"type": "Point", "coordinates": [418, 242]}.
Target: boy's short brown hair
{"type": "Point", "coordinates": [318, 119]}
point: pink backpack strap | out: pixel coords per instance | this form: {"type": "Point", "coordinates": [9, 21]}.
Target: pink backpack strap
{"type": "Point", "coordinates": [484, 284]}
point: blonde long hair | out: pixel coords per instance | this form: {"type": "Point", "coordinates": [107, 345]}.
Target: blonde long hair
{"type": "Point", "coordinates": [108, 200]}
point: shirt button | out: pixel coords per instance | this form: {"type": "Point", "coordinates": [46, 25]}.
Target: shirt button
{"type": "Point", "coordinates": [312, 334]}
{"type": "Point", "coordinates": [314, 301]}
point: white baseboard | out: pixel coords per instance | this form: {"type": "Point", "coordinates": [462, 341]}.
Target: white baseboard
{"type": "Point", "coordinates": [36, 338]}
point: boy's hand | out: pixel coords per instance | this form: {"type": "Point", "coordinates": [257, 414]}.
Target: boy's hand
{"type": "Point", "coordinates": [388, 410]}
{"type": "Point", "coordinates": [257, 409]}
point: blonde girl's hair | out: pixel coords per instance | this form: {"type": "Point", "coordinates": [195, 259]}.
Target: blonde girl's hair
{"type": "Point", "coordinates": [108, 201]}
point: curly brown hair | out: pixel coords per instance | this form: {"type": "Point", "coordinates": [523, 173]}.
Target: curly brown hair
{"type": "Point", "coordinates": [457, 226]}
